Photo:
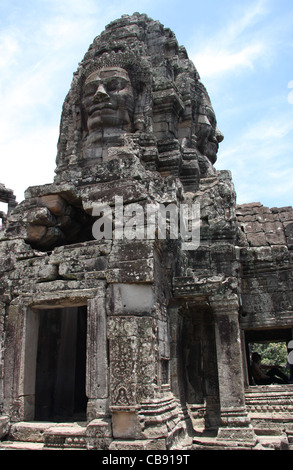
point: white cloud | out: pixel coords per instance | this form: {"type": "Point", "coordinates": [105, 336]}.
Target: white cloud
{"type": "Point", "coordinates": [8, 50]}
{"type": "Point", "coordinates": [254, 114]}
{"type": "Point", "coordinates": [269, 129]}
{"type": "Point", "coordinates": [37, 60]}
{"type": "Point", "coordinates": [213, 61]}
{"type": "Point", "coordinates": [25, 100]}
{"type": "Point", "coordinates": [290, 95]}
{"type": "Point", "coordinates": [245, 18]}
{"type": "Point", "coordinates": [233, 46]}
{"type": "Point", "coordinates": [29, 159]}
{"type": "Point", "coordinates": [260, 158]}
{"type": "Point", "coordinates": [266, 188]}
{"type": "Point", "coordinates": [59, 30]}
{"type": "Point", "coordinates": [75, 8]}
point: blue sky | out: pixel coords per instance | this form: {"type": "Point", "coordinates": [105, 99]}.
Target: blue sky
{"type": "Point", "coordinates": [242, 49]}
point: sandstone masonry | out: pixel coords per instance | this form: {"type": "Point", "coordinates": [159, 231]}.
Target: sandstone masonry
{"type": "Point", "coordinates": [138, 343]}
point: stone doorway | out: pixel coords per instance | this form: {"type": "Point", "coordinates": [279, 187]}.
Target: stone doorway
{"type": "Point", "coordinates": [199, 366]}
{"type": "Point", "coordinates": [61, 365]}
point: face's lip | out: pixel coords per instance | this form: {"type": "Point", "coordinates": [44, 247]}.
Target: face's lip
{"type": "Point", "coordinates": [214, 143]}
{"type": "Point", "coordinates": [212, 139]}
{"type": "Point", "coordinates": [100, 106]}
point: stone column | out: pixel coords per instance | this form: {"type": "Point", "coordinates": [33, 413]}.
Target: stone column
{"type": "Point", "coordinates": [4, 420]}
{"type": "Point", "coordinates": [2, 316]}
{"type": "Point", "coordinates": [176, 379]}
{"type": "Point", "coordinates": [97, 388]}
{"type": "Point", "coordinates": [132, 355]}
{"type": "Point", "coordinates": [235, 423]}
{"type": "Point", "coordinates": [13, 360]}
{"type": "Point", "coordinates": [132, 371]}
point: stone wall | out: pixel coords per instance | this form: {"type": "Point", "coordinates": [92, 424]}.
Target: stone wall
{"type": "Point", "coordinates": [267, 265]}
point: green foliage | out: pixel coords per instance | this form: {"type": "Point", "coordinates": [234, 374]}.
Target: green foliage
{"type": "Point", "coordinates": [271, 353]}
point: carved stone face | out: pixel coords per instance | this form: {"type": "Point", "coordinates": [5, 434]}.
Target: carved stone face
{"type": "Point", "coordinates": [208, 134]}
{"type": "Point", "coordinates": [108, 99]}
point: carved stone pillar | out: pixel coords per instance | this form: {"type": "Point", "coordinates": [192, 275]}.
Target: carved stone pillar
{"type": "Point", "coordinates": [132, 351]}
{"type": "Point", "coordinates": [132, 371]}
{"type": "Point", "coordinates": [97, 359]}
{"type": "Point", "coordinates": [13, 363]}
{"type": "Point", "coordinates": [2, 316]}
{"type": "Point", "coordinates": [235, 423]}
{"type": "Point", "coordinates": [176, 379]}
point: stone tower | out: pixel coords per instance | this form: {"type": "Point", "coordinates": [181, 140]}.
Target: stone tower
{"type": "Point", "coordinates": [111, 318]}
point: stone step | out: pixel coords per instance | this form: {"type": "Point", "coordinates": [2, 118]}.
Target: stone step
{"type": "Point", "coordinates": [50, 435]}
{"type": "Point", "coordinates": [59, 436]}
{"type": "Point", "coordinates": [263, 443]}
{"type": "Point", "coordinates": [29, 431]}
{"type": "Point", "coordinates": [18, 445]}
{"type": "Point", "coordinates": [212, 443]}
{"type": "Point", "coordinates": [65, 436]}
{"type": "Point", "coordinates": [273, 442]}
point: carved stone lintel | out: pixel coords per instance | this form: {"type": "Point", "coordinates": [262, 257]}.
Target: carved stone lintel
{"type": "Point", "coordinates": [223, 305]}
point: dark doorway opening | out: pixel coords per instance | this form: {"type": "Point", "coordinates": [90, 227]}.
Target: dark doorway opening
{"type": "Point", "coordinates": [61, 365]}
{"type": "Point", "coordinates": [199, 366]}
{"type": "Point", "coordinates": [265, 338]}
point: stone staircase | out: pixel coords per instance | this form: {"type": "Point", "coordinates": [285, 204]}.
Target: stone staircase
{"type": "Point", "coordinates": [163, 419]}
{"type": "Point", "coordinates": [270, 408]}
{"type": "Point", "coordinates": [163, 422]}
{"type": "Point", "coordinates": [44, 435]}
{"type": "Point", "coordinates": [262, 442]}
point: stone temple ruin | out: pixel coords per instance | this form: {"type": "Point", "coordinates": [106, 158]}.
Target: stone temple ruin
{"type": "Point", "coordinates": [7, 197]}
{"type": "Point", "coordinates": [134, 342]}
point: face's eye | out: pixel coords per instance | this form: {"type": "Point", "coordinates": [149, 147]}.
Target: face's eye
{"type": "Point", "coordinates": [211, 117]}
{"type": "Point", "coordinates": [90, 89]}
{"type": "Point", "coordinates": [115, 84]}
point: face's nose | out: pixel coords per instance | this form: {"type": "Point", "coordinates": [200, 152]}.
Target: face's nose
{"type": "Point", "coordinates": [101, 94]}
{"type": "Point", "coordinates": [219, 135]}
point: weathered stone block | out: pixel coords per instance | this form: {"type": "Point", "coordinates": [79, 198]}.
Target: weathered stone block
{"type": "Point", "coordinates": [126, 425]}
{"type": "Point", "coordinates": [97, 408]}
{"type": "Point", "coordinates": [131, 271]}
{"type": "Point", "coordinates": [41, 216]}
{"type": "Point", "coordinates": [4, 426]}
{"type": "Point", "coordinates": [35, 233]}
{"type": "Point", "coordinates": [276, 238]}
{"type": "Point", "coordinates": [257, 238]}
{"type": "Point", "coordinates": [130, 299]}
{"type": "Point", "coordinates": [55, 203]}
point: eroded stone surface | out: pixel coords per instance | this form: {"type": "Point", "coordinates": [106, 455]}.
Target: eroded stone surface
{"type": "Point", "coordinates": [166, 327]}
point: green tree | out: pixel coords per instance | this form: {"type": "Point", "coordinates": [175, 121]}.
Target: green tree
{"type": "Point", "coordinates": [272, 353]}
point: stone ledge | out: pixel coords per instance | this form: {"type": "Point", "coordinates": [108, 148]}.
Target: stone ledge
{"type": "Point", "coordinates": [17, 445]}
{"type": "Point", "coordinates": [155, 444]}
{"type": "Point", "coordinates": [29, 431]}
